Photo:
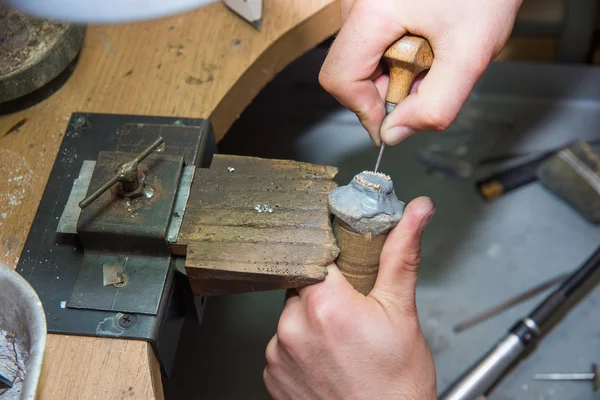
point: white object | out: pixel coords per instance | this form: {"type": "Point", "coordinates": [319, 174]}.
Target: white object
{"type": "Point", "coordinates": [103, 11]}
{"type": "Point", "coordinates": [250, 10]}
{"type": "Point", "coordinates": [22, 314]}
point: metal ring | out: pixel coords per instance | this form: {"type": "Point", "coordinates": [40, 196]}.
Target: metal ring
{"type": "Point", "coordinates": [531, 324]}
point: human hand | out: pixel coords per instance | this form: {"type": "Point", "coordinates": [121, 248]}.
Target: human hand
{"type": "Point", "coordinates": [334, 343]}
{"type": "Point", "coordinates": [465, 35]}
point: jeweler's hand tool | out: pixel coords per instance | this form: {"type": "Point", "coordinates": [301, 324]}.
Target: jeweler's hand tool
{"type": "Point", "coordinates": [406, 59]}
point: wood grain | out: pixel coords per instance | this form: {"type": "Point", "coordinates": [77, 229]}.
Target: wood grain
{"type": "Point", "coordinates": [207, 63]}
{"type": "Point", "coordinates": [287, 169]}
{"type": "Point", "coordinates": [406, 59]}
{"type": "Point", "coordinates": [359, 256]}
{"type": "Point", "coordinates": [232, 245]}
{"type": "Point", "coordinates": [80, 367]}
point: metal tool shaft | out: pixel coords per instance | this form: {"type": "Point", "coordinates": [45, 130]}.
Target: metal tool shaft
{"type": "Point", "coordinates": [564, 377]}
{"type": "Point", "coordinates": [389, 107]}
{"type": "Point", "coordinates": [379, 157]}
{"type": "Point", "coordinates": [482, 376]}
{"type": "Point", "coordinates": [98, 192]}
{"type": "Point", "coordinates": [146, 152]}
{"type": "Point", "coordinates": [126, 172]}
{"type": "Point", "coordinates": [509, 303]}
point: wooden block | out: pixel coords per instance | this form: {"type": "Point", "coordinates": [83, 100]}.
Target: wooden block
{"type": "Point", "coordinates": [250, 234]}
{"type": "Point", "coordinates": [263, 226]}
{"type": "Point", "coordinates": [260, 253]}
{"type": "Point", "coordinates": [314, 219]}
{"type": "Point", "coordinates": [261, 272]}
{"type": "Point", "coordinates": [216, 287]}
{"type": "Point", "coordinates": [271, 167]}
{"type": "Point", "coordinates": [211, 181]}
{"type": "Point", "coordinates": [276, 201]}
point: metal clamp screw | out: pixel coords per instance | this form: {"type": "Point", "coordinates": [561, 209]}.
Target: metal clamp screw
{"type": "Point", "coordinates": [126, 173]}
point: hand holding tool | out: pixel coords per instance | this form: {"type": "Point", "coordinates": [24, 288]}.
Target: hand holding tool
{"type": "Point", "coordinates": [406, 59]}
{"type": "Point", "coordinates": [364, 216]}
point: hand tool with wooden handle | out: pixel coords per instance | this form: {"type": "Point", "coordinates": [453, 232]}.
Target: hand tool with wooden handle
{"type": "Point", "coordinates": [359, 251]}
{"type": "Point", "coordinates": [406, 59]}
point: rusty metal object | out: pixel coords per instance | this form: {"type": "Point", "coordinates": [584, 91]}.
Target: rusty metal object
{"type": "Point", "coordinates": [33, 52]}
{"type": "Point", "coordinates": [127, 174]}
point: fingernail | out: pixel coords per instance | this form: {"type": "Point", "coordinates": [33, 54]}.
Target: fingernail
{"type": "Point", "coordinates": [376, 141]}
{"type": "Point", "coordinates": [396, 134]}
{"type": "Point", "coordinates": [426, 220]}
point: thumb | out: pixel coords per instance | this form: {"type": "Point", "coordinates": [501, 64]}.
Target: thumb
{"type": "Point", "coordinates": [438, 98]}
{"type": "Point", "coordinates": [399, 261]}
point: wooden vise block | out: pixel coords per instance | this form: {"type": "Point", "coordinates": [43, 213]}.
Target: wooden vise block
{"type": "Point", "coordinates": [255, 224]}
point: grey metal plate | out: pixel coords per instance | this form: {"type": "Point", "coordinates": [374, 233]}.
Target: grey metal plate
{"type": "Point", "coordinates": [68, 220]}
{"type": "Point", "coordinates": [145, 281]}
{"type": "Point", "coordinates": [181, 199]}
{"type": "Point", "coordinates": [112, 222]}
{"type": "Point", "coordinates": [180, 140]}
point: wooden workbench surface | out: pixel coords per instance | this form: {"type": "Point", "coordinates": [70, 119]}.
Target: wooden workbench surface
{"type": "Point", "coordinates": [207, 63]}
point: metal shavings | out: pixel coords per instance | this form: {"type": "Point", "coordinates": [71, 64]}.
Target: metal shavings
{"type": "Point", "coordinates": [367, 183]}
{"type": "Point", "coordinates": [230, 169]}
{"type": "Point", "coordinates": [379, 174]}
{"type": "Point", "coordinates": [263, 208]}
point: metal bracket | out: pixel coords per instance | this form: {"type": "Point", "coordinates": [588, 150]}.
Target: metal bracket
{"type": "Point", "coordinates": [53, 258]}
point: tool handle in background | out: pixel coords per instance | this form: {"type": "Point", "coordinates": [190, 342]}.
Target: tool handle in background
{"type": "Point", "coordinates": [359, 254]}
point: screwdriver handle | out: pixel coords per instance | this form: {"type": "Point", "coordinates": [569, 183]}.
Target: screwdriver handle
{"type": "Point", "coordinates": [406, 59]}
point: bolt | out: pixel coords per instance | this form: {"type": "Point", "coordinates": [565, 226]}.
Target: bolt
{"type": "Point", "coordinates": [122, 284]}
{"type": "Point", "coordinates": [126, 321]}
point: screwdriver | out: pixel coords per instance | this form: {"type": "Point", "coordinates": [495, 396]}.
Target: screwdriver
{"type": "Point", "coordinates": [406, 59]}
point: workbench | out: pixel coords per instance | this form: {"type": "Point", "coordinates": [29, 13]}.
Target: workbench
{"type": "Point", "coordinates": [208, 63]}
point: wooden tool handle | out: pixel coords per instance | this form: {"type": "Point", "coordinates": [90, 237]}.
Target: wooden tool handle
{"type": "Point", "coordinates": [406, 59]}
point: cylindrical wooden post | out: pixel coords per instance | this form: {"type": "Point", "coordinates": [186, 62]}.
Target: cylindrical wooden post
{"type": "Point", "coordinates": [359, 256]}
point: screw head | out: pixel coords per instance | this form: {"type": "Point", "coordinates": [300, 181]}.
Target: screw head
{"type": "Point", "coordinates": [127, 320]}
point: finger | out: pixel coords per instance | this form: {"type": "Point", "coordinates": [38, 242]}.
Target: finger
{"type": "Point", "coordinates": [345, 9]}
{"type": "Point", "coordinates": [438, 98]}
{"type": "Point", "coordinates": [353, 59]}
{"type": "Point", "coordinates": [274, 387]}
{"type": "Point", "coordinates": [400, 256]}
{"type": "Point", "coordinates": [381, 82]}
{"type": "Point", "coordinates": [290, 295]}
{"type": "Point", "coordinates": [334, 283]}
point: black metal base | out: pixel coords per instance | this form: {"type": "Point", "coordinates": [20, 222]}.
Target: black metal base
{"type": "Point", "coordinates": [51, 262]}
